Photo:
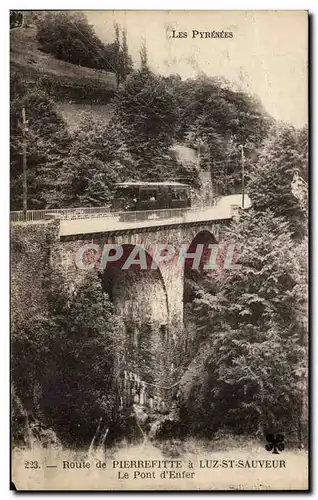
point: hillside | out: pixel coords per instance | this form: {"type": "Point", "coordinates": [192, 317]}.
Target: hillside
{"type": "Point", "coordinates": [71, 112]}
{"type": "Point", "coordinates": [68, 80]}
{"type": "Point", "coordinates": [76, 89]}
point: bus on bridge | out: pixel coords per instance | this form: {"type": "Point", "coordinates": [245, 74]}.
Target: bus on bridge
{"type": "Point", "coordinates": [149, 197]}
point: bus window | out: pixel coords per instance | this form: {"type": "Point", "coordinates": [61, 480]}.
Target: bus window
{"type": "Point", "coordinates": [148, 195]}
{"type": "Point", "coordinates": [126, 192]}
{"type": "Point", "coordinates": [183, 195]}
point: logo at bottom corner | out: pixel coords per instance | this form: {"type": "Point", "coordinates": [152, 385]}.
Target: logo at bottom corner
{"type": "Point", "coordinates": [275, 444]}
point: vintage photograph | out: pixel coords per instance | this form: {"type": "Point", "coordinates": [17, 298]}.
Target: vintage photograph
{"type": "Point", "coordinates": [159, 250]}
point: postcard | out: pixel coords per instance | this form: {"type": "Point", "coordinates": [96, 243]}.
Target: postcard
{"type": "Point", "coordinates": [159, 248]}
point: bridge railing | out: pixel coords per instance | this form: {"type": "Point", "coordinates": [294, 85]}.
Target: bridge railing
{"type": "Point", "coordinates": [104, 212]}
{"type": "Point", "coordinates": [95, 212]}
{"type": "Point", "coordinates": [64, 213]}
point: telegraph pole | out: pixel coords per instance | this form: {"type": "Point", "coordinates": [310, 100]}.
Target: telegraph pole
{"type": "Point", "coordinates": [227, 166]}
{"type": "Point", "coordinates": [243, 187]}
{"type": "Point", "coordinates": [24, 154]}
{"type": "Point", "coordinates": [212, 179]}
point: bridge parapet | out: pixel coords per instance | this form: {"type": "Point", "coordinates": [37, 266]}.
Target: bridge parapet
{"type": "Point", "coordinates": [74, 219]}
{"type": "Point", "coordinates": [176, 217]}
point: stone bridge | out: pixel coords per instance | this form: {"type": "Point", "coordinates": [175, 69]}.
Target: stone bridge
{"type": "Point", "coordinates": [150, 300]}
{"type": "Point", "coordinates": [153, 293]}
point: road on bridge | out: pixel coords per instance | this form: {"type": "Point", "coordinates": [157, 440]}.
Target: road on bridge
{"type": "Point", "coordinates": [96, 225]}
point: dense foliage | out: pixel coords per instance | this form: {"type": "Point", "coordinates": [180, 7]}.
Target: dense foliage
{"type": "Point", "coordinates": [135, 145]}
{"type": "Point", "coordinates": [250, 325]}
{"type": "Point", "coordinates": [246, 372]}
{"type": "Point", "coordinates": [64, 363]}
{"type": "Point", "coordinates": [69, 37]}
{"type": "Point", "coordinates": [47, 144]}
{"type": "Point", "coordinates": [250, 322]}
{"type": "Point", "coordinates": [146, 110]}
{"type": "Point", "coordinates": [16, 19]}
{"type": "Point", "coordinates": [284, 153]}
{"type": "Point", "coordinates": [150, 114]}
{"type": "Point", "coordinates": [216, 118]}
{"type": "Point", "coordinates": [98, 158]}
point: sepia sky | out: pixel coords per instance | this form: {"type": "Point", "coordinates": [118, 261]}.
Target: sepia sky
{"type": "Point", "coordinates": [267, 54]}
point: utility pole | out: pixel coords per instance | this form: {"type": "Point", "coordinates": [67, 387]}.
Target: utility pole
{"type": "Point", "coordinates": [199, 153]}
{"type": "Point", "coordinates": [215, 184]}
{"type": "Point", "coordinates": [227, 166]}
{"type": "Point", "coordinates": [242, 158]}
{"type": "Point", "coordinates": [24, 154]}
{"type": "Point", "coordinates": [211, 177]}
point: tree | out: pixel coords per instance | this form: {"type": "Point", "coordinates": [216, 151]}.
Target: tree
{"type": "Point", "coordinates": [117, 52]}
{"type": "Point", "coordinates": [143, 57]}
{"type": "Point", "coordinates": [98, 158]}
{"type": "Point", "coordinates": [47, 146]}
{"type": "Point", "coordinates": [219, 118]}
{"type": "Point", "coordinates": [303, 148]}
{"type": "Point", "coordinates": [145, 109]}
{"type": "Point", "coordinates": [16, 19]}
{"type": "Point", "coordinates": [126, 60]}
{"type": "Point", "coordinates": [285, 152]}
{"type": "Point", "coordinates": [123, 65]}
{"type": "Point", "coordinates": [252, 348]}
{"type": "Point", "coordinates": [69, 37]}
{"type": "Point", "coordinates": [71, 353]}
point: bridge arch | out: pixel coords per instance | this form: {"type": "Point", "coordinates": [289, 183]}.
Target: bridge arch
{"type": "Point", "coordinates": [201, 240]}
{"type": "Point", "coordinates": [140, 298]}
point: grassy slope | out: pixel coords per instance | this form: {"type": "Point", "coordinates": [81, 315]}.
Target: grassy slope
{"type": "Point", "coordinates": [32, 63]}
{"type": "Point", "coordinates": [71, 112]}
{"type": "Point", "coordinates": [28, 60]}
